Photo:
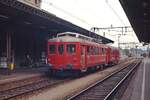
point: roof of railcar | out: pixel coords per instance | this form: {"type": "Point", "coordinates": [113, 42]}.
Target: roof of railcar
{"type": "Point", "coordinates": [74, 39]}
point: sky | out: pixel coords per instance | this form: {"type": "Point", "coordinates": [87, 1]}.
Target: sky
{"type": "Point", "coordinates": [93, 13]}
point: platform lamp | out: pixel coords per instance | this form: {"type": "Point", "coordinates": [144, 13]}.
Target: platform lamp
{"type": "Point", "coordinates": [119, 41]}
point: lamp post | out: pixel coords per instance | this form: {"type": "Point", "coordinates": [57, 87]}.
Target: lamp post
{"type": "Point", "coordinates": [136, 50]}
{"type": "Point", "coordinates": [119, 41]}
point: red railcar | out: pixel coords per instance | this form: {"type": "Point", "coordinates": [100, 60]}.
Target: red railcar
{"type": "Point", "coordinates": [74, 52]}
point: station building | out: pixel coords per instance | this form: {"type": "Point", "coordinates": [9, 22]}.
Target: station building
{"type": "Point", "coordinates": [25, 29]}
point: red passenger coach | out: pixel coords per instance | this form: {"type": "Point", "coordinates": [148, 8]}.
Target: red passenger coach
{"type": "Point", "coordinates": [73, 52]}
{"type": "Point", "coordinates": [113, 55]}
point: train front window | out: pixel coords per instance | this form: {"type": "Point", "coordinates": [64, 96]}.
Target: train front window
{"type": "Point", "coordinates": [52, 49]}
{"type": "Point", "coordinates": [61, 49]}
{"type": "Point", "coordinates": [71, 48]}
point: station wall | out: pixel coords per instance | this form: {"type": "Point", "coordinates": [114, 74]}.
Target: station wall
{"type": "Point", "coordinates": [24, 43]}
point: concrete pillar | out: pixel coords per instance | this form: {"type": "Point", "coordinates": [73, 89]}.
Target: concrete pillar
{"type": "Point", "coordinates": [10, 59]}
{"type": "Point", "coordinates": [8, 47]}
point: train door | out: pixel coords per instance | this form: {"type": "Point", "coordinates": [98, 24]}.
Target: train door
{"type": "Point", "coordinates": [83, 58]}
{"type": "Point", "coordinates": [108, 57]}
{"type": "Point", "coordinates": [60, 55]}
{"type": "Point", "coordinates": [52, 51]}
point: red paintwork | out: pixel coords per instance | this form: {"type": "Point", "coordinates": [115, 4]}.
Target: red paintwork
{"type": "Point", "coordinates": [85, 61]}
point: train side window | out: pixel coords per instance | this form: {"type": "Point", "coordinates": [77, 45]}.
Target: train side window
{"type": "Point", "coordinates": [97, 52]}
{"type": "Point", "coordinates": [100, 51]}
{"type": "Point", "coordinates": [112, 51]}
{"type": "Point", "coordinates": [88, 50]}
{"type": "Point", "coordinates": [61, 49]}
{"type": "Point", "coordinates": [82, 51]}
{"type": "Point", "coordinates": [52, 49]}
{"type": "Point", "coordinates": [71, 48]}
{"type": "Point", "coordinates": [91, 50]}
{"type": "Point", "coordinates": [103, 51]}
{"type": "Point", "coordinates": [94, 50]}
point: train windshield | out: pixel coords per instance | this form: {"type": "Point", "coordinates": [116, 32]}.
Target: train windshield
{"type": "Point", "coordinates": [52, 49]}
{"type": "Point", "coordinates": [71, 48]}
{"type": "Point", "coordinates": [61, 49]}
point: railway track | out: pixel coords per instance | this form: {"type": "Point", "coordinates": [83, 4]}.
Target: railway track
{"type": "Point", "coordinates": [107, 88]}
{"type": "Point", "coordinates": [21, 82]}
{"type": "Point", "coordinates": [29, 88]}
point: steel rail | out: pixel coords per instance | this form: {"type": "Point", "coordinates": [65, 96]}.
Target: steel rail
{"type": "Point", "coordinates": [26, 89]}
{"type": "Point", "coordinates": [112, 93]}
{"type": "Point", "coordinates": [5, 86]}
{"type": "Point", "coordinates": [98, 82]}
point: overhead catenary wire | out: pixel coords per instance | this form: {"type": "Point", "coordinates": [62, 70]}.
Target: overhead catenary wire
{"type": "Point", "coordinates": [115, 12]}
{"type": "Point", "coordinates": [66, 12]}
{"type": "Point", "coordinates": [120, 19]}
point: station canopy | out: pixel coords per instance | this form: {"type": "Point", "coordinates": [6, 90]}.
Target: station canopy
{"type": "Point", "coordinates": [138, 13]}
{"type": "Point", "coordinates": [15, 15]}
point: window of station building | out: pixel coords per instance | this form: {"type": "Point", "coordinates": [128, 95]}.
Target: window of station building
{"type": "Point", "coordinates": [71, 48]}
{"type": "Point", "coordinates": [52, 49]}
{"type": "Point", "coordinates": [61, 49]}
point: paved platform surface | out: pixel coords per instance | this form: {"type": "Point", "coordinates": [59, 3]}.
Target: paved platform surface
{"type": "Point", "coordinates": [23, 73]}
{"type": "Point", "coordinates": [139, 87]}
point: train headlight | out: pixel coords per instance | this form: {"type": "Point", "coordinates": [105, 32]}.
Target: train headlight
{"type": "Point", "coordinates": [69, 66]}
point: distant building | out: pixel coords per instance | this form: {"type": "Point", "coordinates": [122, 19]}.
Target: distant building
{"type": "Point", "coordinates": [35, 3]}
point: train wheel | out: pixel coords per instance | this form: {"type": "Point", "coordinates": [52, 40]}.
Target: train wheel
{"type": "Point", "coordinates": [101, 67]}
{"type": "Point", "coordinates": [97, 67]}
{"type": "Point", "coordinates": [84, 70]}
{"type": "Point", "coordinates": [77, 74]}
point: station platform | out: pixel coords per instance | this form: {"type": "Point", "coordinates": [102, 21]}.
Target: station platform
{"type": "Point", "coordinates": [23, 73]}
{"type": "Point", "coordinates": [139, 87]}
